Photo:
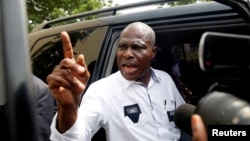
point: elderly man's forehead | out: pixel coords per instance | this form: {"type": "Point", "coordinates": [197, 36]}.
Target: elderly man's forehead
{"type": "Point", "coordinates": [139, 30]}
{"type": "Point", "coordinates": [134, 40]}
{"type": "Point", "coordinates": [138, 27]}
{"type": "Point", "coordinates": [136, 32]}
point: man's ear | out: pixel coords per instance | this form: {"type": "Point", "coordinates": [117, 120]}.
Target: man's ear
{"type": "Point", "coordinates": [154, 51]}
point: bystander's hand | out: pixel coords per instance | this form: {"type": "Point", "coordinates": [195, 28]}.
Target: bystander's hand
{"type": "Point", "coordinates": [198, 128]}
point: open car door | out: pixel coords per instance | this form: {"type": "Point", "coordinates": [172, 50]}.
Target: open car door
{"type": "Point", "coordinates": [17, 120]}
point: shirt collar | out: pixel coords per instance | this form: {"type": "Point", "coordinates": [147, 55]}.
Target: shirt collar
{"type": "Point", "coordinates": [154, 75]}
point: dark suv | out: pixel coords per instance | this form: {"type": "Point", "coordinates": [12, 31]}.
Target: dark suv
{"type": "Point", "coordinates": [178, 33]}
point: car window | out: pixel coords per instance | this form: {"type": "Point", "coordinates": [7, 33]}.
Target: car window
{"type": "Point", "coordinates": [50, 48]}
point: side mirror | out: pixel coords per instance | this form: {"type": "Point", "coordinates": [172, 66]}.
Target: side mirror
{"type": "Point", "coordinates": [219, 51]}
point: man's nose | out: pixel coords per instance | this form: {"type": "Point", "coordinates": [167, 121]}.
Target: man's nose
{"type": "Point", "coordinates": [128, 52]}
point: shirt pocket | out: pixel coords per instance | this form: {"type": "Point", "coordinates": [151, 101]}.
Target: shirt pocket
{"type": "Point", "coordinates": [170, 110]}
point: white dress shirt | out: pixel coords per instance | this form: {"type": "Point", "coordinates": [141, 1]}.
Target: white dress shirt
{"type": "Point", "coordinates": [127, 110]}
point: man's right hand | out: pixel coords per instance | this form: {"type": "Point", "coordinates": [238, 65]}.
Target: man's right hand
{"type": "Point", "coordinates": [67, 82]}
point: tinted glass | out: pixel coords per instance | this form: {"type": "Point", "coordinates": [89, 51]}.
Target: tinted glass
{"type": "Point", "coordinates": [50, 52]}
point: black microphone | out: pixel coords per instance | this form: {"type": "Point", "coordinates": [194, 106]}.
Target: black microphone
{"type": "Point", "coordinates": [182, 117]}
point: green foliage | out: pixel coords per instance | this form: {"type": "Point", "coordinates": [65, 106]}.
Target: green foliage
{"type": "Point", "coordinates": [40, 11]}
{"type": "Point", "coordinates": [185, 2]}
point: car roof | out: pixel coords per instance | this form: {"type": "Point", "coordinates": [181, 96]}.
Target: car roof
{"type": "Point", "coordinates": [166, 12]}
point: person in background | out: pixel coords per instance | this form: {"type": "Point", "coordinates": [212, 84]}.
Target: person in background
{"type": "Point", "coordinates": [135, 103]}
{"type": "Point", "coordinates": [44, 108]}
{"type": "Point", "coordinates": [175, 72]}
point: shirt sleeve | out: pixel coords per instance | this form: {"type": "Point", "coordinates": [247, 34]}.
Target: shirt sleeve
{"type": "Point", "coordinates": [89, 120]}
{"type": "Point", "coordinates": [76, 133]}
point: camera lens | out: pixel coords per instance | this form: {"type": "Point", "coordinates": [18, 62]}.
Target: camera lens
{"type": "Point", "coordinates": [222, 108]}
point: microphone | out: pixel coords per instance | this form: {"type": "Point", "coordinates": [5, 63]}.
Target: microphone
{"type": "Point", "coordinates": [182, 117]}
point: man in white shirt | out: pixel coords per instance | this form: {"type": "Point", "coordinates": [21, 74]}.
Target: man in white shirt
{"type": "Point", "coordinates": [136, 103]}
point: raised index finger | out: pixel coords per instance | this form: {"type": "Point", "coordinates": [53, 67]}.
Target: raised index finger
{"type": "Point", "coordinates": [67, 47]}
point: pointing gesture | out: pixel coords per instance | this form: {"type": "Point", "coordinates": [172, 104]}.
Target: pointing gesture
{"type": "Point", "coordinates": [67, 82]}
{"type": "Point", "coordinates": [67, 47]}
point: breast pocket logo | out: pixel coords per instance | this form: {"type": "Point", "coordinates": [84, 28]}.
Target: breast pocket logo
{"type": "Point", "coordinates": [133, 112]}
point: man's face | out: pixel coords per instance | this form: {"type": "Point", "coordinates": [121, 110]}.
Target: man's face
{"type": "Point", "coordinates": [134, 55]}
